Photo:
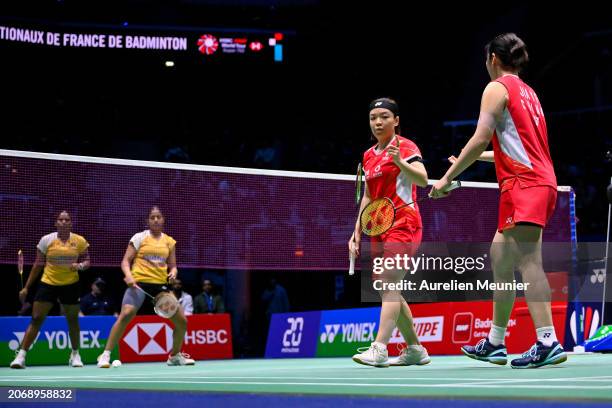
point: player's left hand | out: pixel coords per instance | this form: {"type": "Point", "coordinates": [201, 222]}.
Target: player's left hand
{"type": "Point", "coordinates": [172, 276]}
{"type": "Point", "coordinates": [438, 189]}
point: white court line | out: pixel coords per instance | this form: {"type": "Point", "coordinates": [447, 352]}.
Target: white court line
{"type": "Point", "coordinates": [340, 384]}
{"type": "Point", "coordinates": [603, 378]}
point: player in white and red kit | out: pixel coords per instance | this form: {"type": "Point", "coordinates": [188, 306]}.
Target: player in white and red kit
{"type": "Point", "coordinates": [511, 117]}
{"type": "Point", "coordinates": [393, 169]}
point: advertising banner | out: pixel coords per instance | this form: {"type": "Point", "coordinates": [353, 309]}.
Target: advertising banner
{"type": "Point", "coordinates": [149, 338]}
{"type": "Point", "coordinates": [53, 346]}
{"type": "Point", "coordinates": [293, 335]}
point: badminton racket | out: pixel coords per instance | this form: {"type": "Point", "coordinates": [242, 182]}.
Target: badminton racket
{"type": "Point", "coordinates": [379, 215]}
{"type": "Point", "coordinates": [165, 304]}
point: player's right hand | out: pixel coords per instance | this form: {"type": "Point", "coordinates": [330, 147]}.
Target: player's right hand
{"type": "Point", "coordinates": [353, 244]}
{"type": "Point", "coordinates": [129, 280]}
{"type": "Point", "coordinates": [23, 293]}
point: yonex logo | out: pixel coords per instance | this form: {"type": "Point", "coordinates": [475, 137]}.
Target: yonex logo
{"type": "Point", "coordinates": [350, 332]}
{"type": "Point", "coordinates": [59, 340]}
{"type": "Point", "coordinates": [378, 103]}
{"type": "Point", "coordinates": [598, 276]}
{"type": "Point", "coordinates": [330, 333]}
{"type": "Point", "coordinates": [14, 344]}
{"type": "Point", "coordinates": [546, 335]}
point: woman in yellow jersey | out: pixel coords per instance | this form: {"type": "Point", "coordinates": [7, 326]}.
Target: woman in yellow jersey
{"type": "Point", "coordinates": [149, 262]}
{"type": "Point", "coordinates": [63, 254]}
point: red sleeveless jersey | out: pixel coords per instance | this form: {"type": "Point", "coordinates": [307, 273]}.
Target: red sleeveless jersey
{"type": "Point", "coordinates": [520, 141]}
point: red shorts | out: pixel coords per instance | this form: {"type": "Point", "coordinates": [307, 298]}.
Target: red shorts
{"type": "Point", "coordinates": [402, 239]}
{"type": "Point", "coordinates": [534, 205]}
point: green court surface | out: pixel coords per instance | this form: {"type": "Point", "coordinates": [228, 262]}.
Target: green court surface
{"type": "Point", "coordinates": [582, 377]}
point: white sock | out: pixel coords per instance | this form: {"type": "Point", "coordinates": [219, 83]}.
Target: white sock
{"type": "Point", "coordinates": [21, 352]}
{"type": "Point", "coordinates": [497, 335]}
{"type": "Point", "coordinates": [416, 347]}
{"type": "Point", "coordinates": [380, 345]}
{"type": "Point", "coordinates": [546, 335]}
{"type": "Point", "coordinates": [106, 353]}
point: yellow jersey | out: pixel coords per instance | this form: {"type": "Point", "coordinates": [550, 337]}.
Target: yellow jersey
{"type": "Point", "coordinates": [59, 258]}
{"type": "Point", "coordinates": [150, 264]}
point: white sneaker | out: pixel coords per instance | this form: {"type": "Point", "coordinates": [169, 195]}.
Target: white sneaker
{"type": "Point", "coordinates": [75, 359]}
{"type": "Point", "coordinates": [411, 355]}
{"type": "Point", "coordinates": [376, 355]}
{"type": "Point", "coordinates": [19, 361]}
{"type": "Point", "coordinates": [104, 360]}
{"type": "Point", "coordinates": [180, 359]}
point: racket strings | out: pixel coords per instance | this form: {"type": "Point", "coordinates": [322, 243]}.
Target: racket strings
{"type": "Point", "coordinates": [377, 217]}
{"type": "Point", "coordinates": [166, 305]}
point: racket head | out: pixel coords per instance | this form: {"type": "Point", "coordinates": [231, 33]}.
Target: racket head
{"type": "Point", "coordinates": [377, 217]}
{"type": "Point", "coordinates": [165, 305]}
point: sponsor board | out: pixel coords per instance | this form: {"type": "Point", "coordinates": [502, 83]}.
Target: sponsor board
{"type": "Point", "coordinates": [149, 338]}
{"type": "Point", "coordinates": [52, 345]}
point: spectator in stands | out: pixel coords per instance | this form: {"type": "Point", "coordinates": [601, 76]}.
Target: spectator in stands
{"type": "Point", "coordinates": [208, 301]}
{"type": "Point", "coordinates": [96, 303]}
{"type": "Point", "coordinates": [275, 299]}
{"type": "Point", "coordinates": [183, 297]}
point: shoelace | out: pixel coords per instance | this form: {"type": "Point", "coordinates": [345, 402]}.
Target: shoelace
{"type": "Point", "coordinates": [480, 345]}
{"type": "Point", "coordinates": [400, 348]}
{"type": "Point", "coordinates": [184, 355]}
{"type": "Point", "coordinates": [532, 351]}
{"type": "Point", "coordinates": [364, 349]}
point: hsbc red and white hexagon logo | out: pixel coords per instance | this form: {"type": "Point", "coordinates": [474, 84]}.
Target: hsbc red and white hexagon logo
{"type": "Point", "coordinates": [148, 339]}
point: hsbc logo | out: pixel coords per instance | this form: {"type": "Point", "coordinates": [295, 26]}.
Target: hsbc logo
{"type": "Point", "coordinates": [206, 337]}
{"type": "Point", "coordinates": [256, 46]}
{"type": "Point", "coordinates": [148, 339]}
{"type": "Point", "coordinates": [462, 327]}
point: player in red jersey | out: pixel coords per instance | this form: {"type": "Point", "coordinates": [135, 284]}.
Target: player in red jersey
{"type": "Point", "coordinates": [511, 117]}
{"type": "Point", "coordinates": [393, 168]}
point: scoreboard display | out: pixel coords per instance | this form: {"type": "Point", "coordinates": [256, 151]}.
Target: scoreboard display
{"type": "Point", "coordinates": [208, 45]}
